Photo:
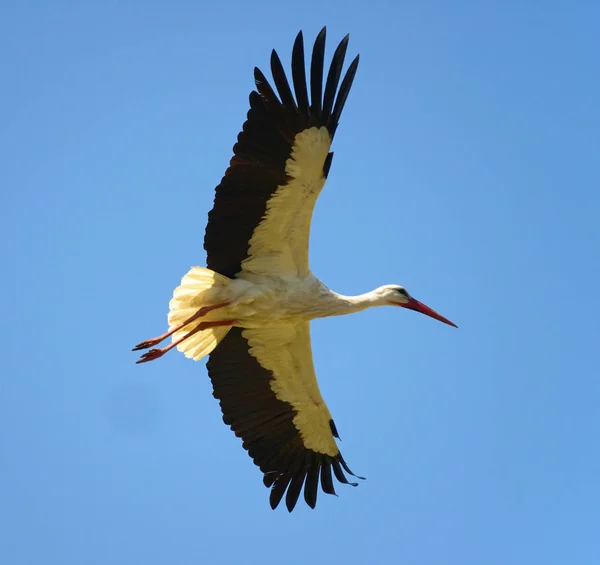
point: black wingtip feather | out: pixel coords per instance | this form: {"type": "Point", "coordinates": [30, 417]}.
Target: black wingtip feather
{"type": "Point", "coordinates": [269, 479]}
{"type": "Point", "coordinates": [299, 74]}
{"type": "Point", "coordinates": [264, 88]}
{"type": "Point", "coordinates": [293, 491]}
{"type": "Point", "coordinates": [281, 82]}
{"type": "Point", "coordinates": [278, 490]}
{"type": "Point", "coordinates": [339, 474]}
{"type": "Point", "coordinates": [316, 74]}
{"type": "Point", "coordinates": [333, 76]}
{"type": "Point", "coordinates": [311, 485]}
{"type": "Point", "coordinates": [343, 95]}
{"type": "Point", "coordinates": [347, 469]}
{"type": "Point", "coordinates": [326, 478]}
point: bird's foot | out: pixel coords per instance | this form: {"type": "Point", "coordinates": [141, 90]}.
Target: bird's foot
{"type": "Point", "coordinates": [152, 355]}
{"type": "Point", "coordinates": [148, 343]}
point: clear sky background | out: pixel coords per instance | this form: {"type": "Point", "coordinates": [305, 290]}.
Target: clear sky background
{"type": "Point", "coordinates": [467, 168]}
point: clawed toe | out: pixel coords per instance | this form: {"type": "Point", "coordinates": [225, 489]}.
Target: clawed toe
{"type": "Point", "coordinates": [150, 356]}
{"type": "Point", "coordinates": [146, 344]}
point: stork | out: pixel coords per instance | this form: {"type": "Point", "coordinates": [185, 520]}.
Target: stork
{"type": "Point", "coordinates": [250, 309]}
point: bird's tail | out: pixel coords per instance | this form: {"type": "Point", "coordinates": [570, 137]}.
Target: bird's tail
{"type": "Point", "coordinates": [199, 287]}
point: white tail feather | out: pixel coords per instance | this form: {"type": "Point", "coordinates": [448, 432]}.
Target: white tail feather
{"type": "Point", "coordinates": [199, 287]}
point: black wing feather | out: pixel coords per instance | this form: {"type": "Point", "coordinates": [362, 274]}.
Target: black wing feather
{"type": "Point", "coordinates": [326, 479]}
{"type": "Point", "coordinates": [339, 474]}
{"type": "Point", "coordinates": [293, 492]}
{"type": "Point", "coordinates": [299, 75]}
{"type": "Point", "coordinates": [281, 82]}
{"type": "Point", "coordinates": [312, 479]}
{"type": "Point", "coordinates": [316, 75]}
{"type": "Point", "coordinates": [342, 96]}
{"type": "Point", "coordinates": [333, 77]}
{"type": "Point", "coordinates": [278, 490]}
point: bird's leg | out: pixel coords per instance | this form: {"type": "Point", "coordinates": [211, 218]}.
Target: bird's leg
{"type": "Point", "coordinates": [156, 353]}
{"type": "Point", "coordinates": [156, 340]}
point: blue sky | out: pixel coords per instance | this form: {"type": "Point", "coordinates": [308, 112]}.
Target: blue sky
{"type": "Point", "coordinates": [467, 169]}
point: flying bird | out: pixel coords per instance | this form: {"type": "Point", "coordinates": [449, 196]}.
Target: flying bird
{"type": "Point", "coordinates": [250, 308]}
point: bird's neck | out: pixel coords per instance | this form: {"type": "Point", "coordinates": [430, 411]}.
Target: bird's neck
{"type": "Point", "coordinates": [341, 304]}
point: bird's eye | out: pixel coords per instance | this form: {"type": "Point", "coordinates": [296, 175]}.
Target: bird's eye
{"type": "Point", "coordinates": [403, 292]}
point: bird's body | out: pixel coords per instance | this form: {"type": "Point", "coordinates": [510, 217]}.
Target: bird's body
{"type": "Point", "coordinates": [250, 308]}
{"type": "Point", "coordinates": [264, 301]}
{"type": "Point", "coordinates": [269, 300]}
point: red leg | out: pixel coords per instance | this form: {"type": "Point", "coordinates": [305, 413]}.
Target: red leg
{"type": "Point", "coordinates": [156, 340]}
{"type": "Point", "coordinates": [157, 353]}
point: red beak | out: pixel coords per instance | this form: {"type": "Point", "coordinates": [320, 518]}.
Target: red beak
{"type": "Point", "coordinates": [413, 304]}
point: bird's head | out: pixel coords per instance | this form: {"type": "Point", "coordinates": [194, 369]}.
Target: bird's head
{"type": "Point", "coordinates": [396, 295]}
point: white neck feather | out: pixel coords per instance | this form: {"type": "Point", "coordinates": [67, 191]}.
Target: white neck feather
{"type": "Point", "coordinates": [338, 304]}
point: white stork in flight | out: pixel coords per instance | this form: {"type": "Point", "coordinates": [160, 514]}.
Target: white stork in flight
{"type": "Point", "coordinates": [250, 308]}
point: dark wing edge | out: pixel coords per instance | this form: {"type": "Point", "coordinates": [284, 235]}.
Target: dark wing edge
{"type": "Point", "coordinates": [265, 425]}
{"type": "Point", "coordinates": [264, 145]}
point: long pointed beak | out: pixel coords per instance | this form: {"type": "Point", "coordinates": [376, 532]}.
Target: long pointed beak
{"type": "Point", "coordinates": [417, 306]}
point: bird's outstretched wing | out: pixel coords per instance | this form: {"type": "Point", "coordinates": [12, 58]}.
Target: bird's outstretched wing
{"type": "Point", "coordinates": [265, 382]}
{"type": "Point", "coordinates": [260, 221]}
